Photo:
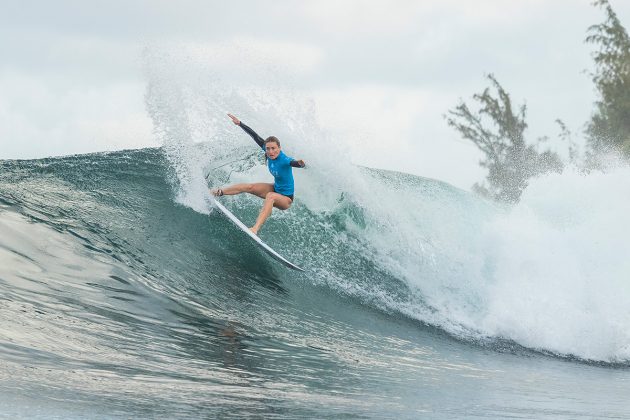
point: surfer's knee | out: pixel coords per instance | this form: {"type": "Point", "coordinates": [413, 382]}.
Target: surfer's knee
{"type": "Point", "coordinates": [279, 201]}
{"type": "Point", "coordinates": [276, 200]}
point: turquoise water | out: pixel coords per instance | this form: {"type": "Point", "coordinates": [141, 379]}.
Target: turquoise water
{"type": "Point", "coordinates": [123, 296]}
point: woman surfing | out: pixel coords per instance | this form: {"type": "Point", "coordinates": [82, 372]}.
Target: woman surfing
{"type": "Point", "coordinates": [280, 193]}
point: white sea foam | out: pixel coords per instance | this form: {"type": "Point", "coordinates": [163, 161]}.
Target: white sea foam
{"type": "Point", "coordinates": [561, 277]}
{"type": "Point", "coordinates": [551, 273]}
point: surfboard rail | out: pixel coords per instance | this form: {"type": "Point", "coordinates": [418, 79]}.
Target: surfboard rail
{"type": "Point", "coordinates": [270, 251]}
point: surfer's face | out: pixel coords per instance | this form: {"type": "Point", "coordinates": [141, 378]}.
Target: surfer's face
{"type": "Point", "coordinates": [273, 150]}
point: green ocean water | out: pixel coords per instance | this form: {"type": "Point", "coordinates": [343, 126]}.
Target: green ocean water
{"type": "Point", "coordinates": [124, 297]}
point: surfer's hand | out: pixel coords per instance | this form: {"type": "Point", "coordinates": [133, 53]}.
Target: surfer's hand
{"type": "Point", "coordinates": [301, 163]}
{"type": "Point", "coordinates": [234, 119]}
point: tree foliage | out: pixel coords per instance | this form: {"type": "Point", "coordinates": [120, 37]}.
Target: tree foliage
{"type": "Point", "coordinates": [497, 129]}
{"type": "Point", "coordinates": [609, 127]}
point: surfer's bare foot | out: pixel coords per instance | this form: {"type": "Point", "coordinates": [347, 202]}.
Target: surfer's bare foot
{"type": "Point", "coordinates": [217, 192]}
{"type": "Point", "coordinates": [254, 230]}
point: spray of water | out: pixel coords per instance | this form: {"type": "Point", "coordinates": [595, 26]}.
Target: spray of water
{"type": "Point", "coordinates": [549, 273]}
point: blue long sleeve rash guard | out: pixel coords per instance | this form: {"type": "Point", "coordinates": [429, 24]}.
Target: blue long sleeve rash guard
{"type": "Point", "coordinates": [281, 167]}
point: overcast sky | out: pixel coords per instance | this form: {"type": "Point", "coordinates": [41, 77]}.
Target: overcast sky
{"type": "Point", "coordinates": [382, 73]}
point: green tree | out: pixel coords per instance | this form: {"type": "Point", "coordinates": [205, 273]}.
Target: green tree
{"type": "Point", "coordinates": [497, 129]}
{"type": "Point", "coordinates": [609, 127]}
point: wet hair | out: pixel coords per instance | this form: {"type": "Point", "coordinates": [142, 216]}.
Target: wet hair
{"type": "Point", "coordinates": [273, 139]}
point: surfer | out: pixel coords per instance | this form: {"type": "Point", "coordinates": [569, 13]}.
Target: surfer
{"type": "Point", "coordinates": [280, 193]}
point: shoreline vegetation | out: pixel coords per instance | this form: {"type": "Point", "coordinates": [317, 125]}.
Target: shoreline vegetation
{"type": "Point", "coordinates": [497, 127]}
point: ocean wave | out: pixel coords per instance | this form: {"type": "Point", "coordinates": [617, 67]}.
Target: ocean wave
{"type": "Point", "coordinates": [548, 274]}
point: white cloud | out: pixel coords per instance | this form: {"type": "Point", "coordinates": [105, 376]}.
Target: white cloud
{"type": "Point", "coordinates": [375, 113]}
{"type": "Point", "coordinates": [233, 55]}
{"type": "Point", "coordinates": [384, 17]}
{"type": "Point", "coordinates": [361, 17]}
{"type": "Point", "coordinates": [38, 119]}
{"type": "Point", "coordinates": [400, 129]}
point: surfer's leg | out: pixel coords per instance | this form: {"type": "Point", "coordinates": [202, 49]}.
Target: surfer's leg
{"type": "Point", "coordinates": [260, 189]}
{"type": "Point", "coordinates": [272, 199]}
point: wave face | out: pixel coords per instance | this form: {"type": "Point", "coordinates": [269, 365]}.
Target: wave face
{"type": "Point", "coordinates": [109, 272]}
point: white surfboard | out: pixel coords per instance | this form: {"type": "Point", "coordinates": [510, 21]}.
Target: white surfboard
{"type": "Point", "coordinates": [256, 239]}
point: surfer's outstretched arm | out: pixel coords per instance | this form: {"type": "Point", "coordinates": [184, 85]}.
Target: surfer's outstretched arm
{"type": "Point", "coordinates": [297, 163]}
{"type": "Point", "coordinates": [259, 140]}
